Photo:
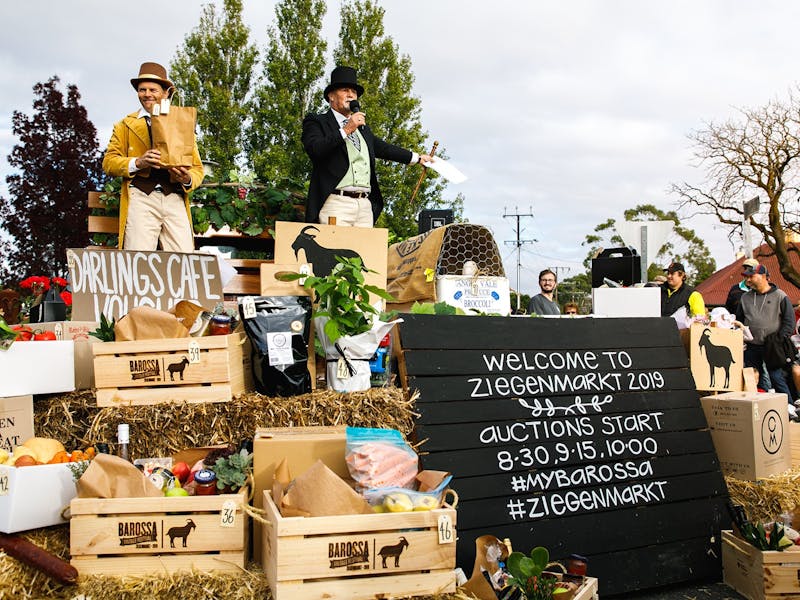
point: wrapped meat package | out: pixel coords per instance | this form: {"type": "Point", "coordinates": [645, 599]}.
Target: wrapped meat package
{"type": "Point", "coordinates": [380, 458]}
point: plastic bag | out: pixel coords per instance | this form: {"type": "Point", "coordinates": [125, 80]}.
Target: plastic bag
{"type": "Point", "coordinates": [380, 458]}
{"type": "Point", "coordinates": [278, 328]}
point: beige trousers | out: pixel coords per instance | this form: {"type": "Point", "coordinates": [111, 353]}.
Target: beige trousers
{"type": "Point", "coordinates": [157, 217]}
{"type": "Point", "coordinates": [354, 212]}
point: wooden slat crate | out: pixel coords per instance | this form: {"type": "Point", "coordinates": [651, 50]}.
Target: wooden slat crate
{"type": "Point", "coordinates": [359, 556]}
{"type": "Point", "coordinates": [757, 574]}
{"type": "Point", "coordinates": [193, 369]}
{"type": "Point", "coordinates": [588, 591]}
{"type": "Point", "coordinates": [145, 536]}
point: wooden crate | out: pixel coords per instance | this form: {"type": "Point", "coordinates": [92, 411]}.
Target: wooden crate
{"type": "Point", "coordinates": [193, 369]}
{"type": "Point", "coordinates": [359, 556]}
{"type": "Point", "coordinates": [757, 574]}
{"type": "Point", "coordinates": [588, 591]}
{"type": "Point", "coordinates": [794, 442]}
{"type": "Point", "coordinates": [146, 536]}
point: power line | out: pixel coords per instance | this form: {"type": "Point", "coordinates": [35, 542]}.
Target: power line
{"type": "Point", "coordinates": [519, 243]}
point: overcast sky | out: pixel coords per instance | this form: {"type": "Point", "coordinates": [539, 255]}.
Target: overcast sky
{"type": "Point", "coordinates": [573, 110]}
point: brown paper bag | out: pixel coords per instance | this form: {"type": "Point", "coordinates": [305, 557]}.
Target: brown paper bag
{"type": "Point", "coordinates": [147, 323]}
{"type": "Point", "coordinates": [173, 136]}
{"type": "Point", "coordinates": [109, 476]}
{"type": "Point", "coordinates": [321, 492]}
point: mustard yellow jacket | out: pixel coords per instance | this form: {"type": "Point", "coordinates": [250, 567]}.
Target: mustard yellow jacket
{"type": "Point", "coordinates": [128, 140]}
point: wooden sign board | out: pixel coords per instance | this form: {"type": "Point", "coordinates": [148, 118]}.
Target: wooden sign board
{"type": "Point", "coordinates": [581, 435]}
{"type": "Point", "coordinates": [716, 357]}
{"type": "Point", "coordinates": [112, 282]}
{"type": "Point", "coordinates": [320, 244]}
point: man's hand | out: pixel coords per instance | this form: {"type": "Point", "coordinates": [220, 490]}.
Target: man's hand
{"type": "Point", "coordinates": [151, 158]}
{"type": "Point", "coordinates": [424, 159]}
{"type": "Point", "coordinates": [181, 175]}
{"type": "Point", "coordinates": [354, 121]}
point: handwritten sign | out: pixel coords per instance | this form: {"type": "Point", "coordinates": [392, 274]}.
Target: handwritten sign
{"type": "Point", "coordinates": [112, 282]}
{"type": "Point", "coordinates": [581, 435]}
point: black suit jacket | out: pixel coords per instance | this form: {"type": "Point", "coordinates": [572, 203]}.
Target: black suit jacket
{"type": "Point", "coordinates": [326, 148]}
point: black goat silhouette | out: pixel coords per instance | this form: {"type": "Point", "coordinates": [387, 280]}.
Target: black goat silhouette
{"type": "Point", "coordinates": [322, 259]}
{"type": "Point", "coordinates": [396, 550]}
{"type": "Point", "coordinates": [177, 367]}
{"type": "Point", "coordinates": [717, 357]}
{"type": "Point", "coordinates": [180, 532]}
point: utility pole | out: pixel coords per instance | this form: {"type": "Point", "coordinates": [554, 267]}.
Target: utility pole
{"type": "Point", "coordinates": [558, 278]}
{"type": "Point", "coordinates": [518, 243]}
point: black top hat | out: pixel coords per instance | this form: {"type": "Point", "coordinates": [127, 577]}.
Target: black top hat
{"type": "Point", "coordinates": [151, 71]}
{"type": "Point", "coordinates": [343, 77]}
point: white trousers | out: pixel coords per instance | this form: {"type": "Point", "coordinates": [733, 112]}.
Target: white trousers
{"type": "Point", "coordinates": [157, 217]}
{"type": "Point", "coordinates": [355, 212]}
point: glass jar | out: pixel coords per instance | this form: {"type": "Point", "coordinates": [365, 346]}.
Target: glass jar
{"type": "Point", "coordinates": [206, 483]}
{"type": "Point", "coordinates": [576, 564]}
{"type": "Point", "coordinates": [219, 325]}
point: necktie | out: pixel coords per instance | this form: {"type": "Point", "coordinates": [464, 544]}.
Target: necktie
{"type": "Point", "coordinates": [353, 137]}
{"type": "Point", "coordinates": [149, 129]}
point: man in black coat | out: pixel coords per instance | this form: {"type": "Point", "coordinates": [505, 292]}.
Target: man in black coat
{"type": "Point", "coordinates": [343, 150]}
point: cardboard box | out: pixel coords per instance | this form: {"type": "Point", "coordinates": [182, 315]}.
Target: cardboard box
{"type": "Point", "coordinates": [37, 368]}
{"type": "Point", "coordinates": [716, 357]}
{"type": "Point", "coordinates": [359, 557]}
{"type": "Point", "coordinates": [148, 536]}
{"type": "Point", "coordinates": [302, 447]}
{"type": "Point", "coordinates": [33, 497]}
{"type": "Point", "coordinates": [490, 295]}
{"type": "Point", "coordinates": [759, 574]}
{"type": "Point", "coordinates": [16, 421]}
{"type": "Point", "coordinates": [193, 369]}
{"type": "Point", "coordinates": [750, 432]}
{"type": "Point", "coordinates": [626, 302]}
{"type": "Point", "coordinates": [78, 332]}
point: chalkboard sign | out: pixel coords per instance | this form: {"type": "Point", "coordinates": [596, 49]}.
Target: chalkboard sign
{"type": "Point", "coordinates": [581, 435]}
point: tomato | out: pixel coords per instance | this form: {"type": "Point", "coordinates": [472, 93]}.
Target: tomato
{"type": "Point", "coordinates": [44, 336]}
{"type": "Point", "coordinates": [24, 333]}
{"type": "Point", "coordinates": [182, 472]}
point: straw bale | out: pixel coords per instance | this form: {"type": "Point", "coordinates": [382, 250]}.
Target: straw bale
{"type": "Point", "coordinates": [765, 499]}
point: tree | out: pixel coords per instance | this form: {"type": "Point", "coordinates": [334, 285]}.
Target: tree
{"type": "Point", "coordinates": [58, 160]}
{"type": "Point", "coordinates": [683, 245]}
{"type": "Point", "coordinates": [293, 66]}
{"type": "Point", "coordinates": [213, 72]}
{"type": "Point", "coordinates": [393, 113]}
{"type": "Point", "coordinates": [754, 155]}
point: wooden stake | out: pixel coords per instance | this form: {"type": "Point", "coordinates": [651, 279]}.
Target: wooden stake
{"type": "Point", "coordinates": [424, 172]}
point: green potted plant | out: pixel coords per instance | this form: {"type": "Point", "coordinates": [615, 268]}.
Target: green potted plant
{"type": "Point", "coordinates": [529, 575]}
{"type": "Point", "coordinates": [347, 324]}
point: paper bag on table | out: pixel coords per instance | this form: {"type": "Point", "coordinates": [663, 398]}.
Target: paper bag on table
{"type": "Point", "coordinates": [147, 323]}
{"type": "Point", "coordinates": [321, 492]}
{"type": "Point", "coordinates": [173, 136]}
{"type": "Point", "coordinates": [109, 476]}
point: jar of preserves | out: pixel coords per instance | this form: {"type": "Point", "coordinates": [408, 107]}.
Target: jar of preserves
{"type": "Point", "coordinates": [206, 483]}
{"type": "Point", "coordinates": [576, 564]}
{"type": "Point", "coordinates": [219, 325]}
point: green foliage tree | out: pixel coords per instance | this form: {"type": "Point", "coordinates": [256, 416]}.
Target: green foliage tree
{"type": "Point", "coordinates": [58, 161]}
{"type": "Point", "coordinates": [757, 154]}
{"type": "Point", "coordinates": [393, 113]}
{"type": "Point", "coordinates": [213, 71]}
{"type": "Point", "coordinates": [683, 245]}
{"type": "Point", "coordinates": [293, 65]}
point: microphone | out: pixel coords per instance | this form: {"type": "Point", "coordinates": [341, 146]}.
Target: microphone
{"type": "Point", "coordinates": [355, 106]}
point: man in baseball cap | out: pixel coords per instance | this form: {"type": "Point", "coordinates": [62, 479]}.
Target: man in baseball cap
{"type": "Point", "coordinates": [737, 289]}
{"type": "Point", "coordinates": [676, 294]}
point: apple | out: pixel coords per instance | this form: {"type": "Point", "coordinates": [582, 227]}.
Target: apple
{"type": "Point", "coordinates": [425, 503]}
{"type": "Point", "coordinates": [398, 502]}
{"type": "Point", "coordinates": [176, 491]}
{"type": "Point", "coordinates": [182, 472]}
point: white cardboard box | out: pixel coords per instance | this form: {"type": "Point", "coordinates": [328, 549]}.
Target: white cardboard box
{"type": "Point", "coordinates": [750, 432]}
{"type": "Point", "coordinates": [16, 421]}
{"type": "Point", "coordinates": [490, 295]}
{"type": "Point", "coordinates": [33, 497]}
{"type": "Point", "coordinates": [37, 368]}
{"type": "Point", "coordinates": [626, 302]}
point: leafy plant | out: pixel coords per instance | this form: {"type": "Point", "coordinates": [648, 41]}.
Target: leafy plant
{"type": "Point", "coordinates": [105, 333]}
{"type": "Point", "coordinates": [232, 471]}
{"type": "Point", "coordinates": [757, 536]}
{"type": "Point", "coordinates": [527, 574]}
{"type": "Point", "coordinates": [343, 297]}
{"type": "Point", "coordinates": [438, 308]}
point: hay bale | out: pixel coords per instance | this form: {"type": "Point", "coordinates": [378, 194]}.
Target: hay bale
{"type": "Point", "coordinates": [765, 499]}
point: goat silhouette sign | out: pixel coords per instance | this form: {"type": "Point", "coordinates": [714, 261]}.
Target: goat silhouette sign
{"type": "Point", "coordinates": [715, 357]}
{"type": "Point", "coordinates": [161, 369]}
{"type": "Point", "coordinates": [321, 244]}
{"type": "Point", "coordinates": [365, 554]}
{"type": "Point", "coordinates": [154, 534]}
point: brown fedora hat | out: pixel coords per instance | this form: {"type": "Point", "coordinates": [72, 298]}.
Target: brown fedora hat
{"type": "Point", "coordinates": [150, 71]}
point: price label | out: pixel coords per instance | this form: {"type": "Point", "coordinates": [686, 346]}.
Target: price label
{"type": "Point", "coordinates": [5, 482]}
{"type": "Point", "coordinates": [447, 534]}
{"type": "Point", "coordinates": [227, 516]}
{"type": "Point", "coordinates": [342, 371]}
{"type": "Point", "coordinates": [248, 307]}
{"type": "Point", "coordinates": [194, 352]}
{"type": "Point", "coordinates": [305, 269]}
{"type": "Point", "coordinates": [58, 329]}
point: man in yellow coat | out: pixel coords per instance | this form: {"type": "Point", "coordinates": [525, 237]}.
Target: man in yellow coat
{"type": "Point", "coordinates": [154, 202]}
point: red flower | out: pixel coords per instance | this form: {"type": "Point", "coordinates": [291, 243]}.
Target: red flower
{"type": "Point", "coordinates": [60, 282]}
{"type": "Point", "coordinates": [35, 282]}
{"type": "Point", "coordinates": [67, 297]}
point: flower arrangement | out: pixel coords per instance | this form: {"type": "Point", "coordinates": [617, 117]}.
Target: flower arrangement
{"type": "Point", "coordinates": [34, 289]}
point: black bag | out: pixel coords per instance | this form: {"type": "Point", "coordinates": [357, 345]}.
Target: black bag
{"type": "Point", "coordinates": [779, 351]}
